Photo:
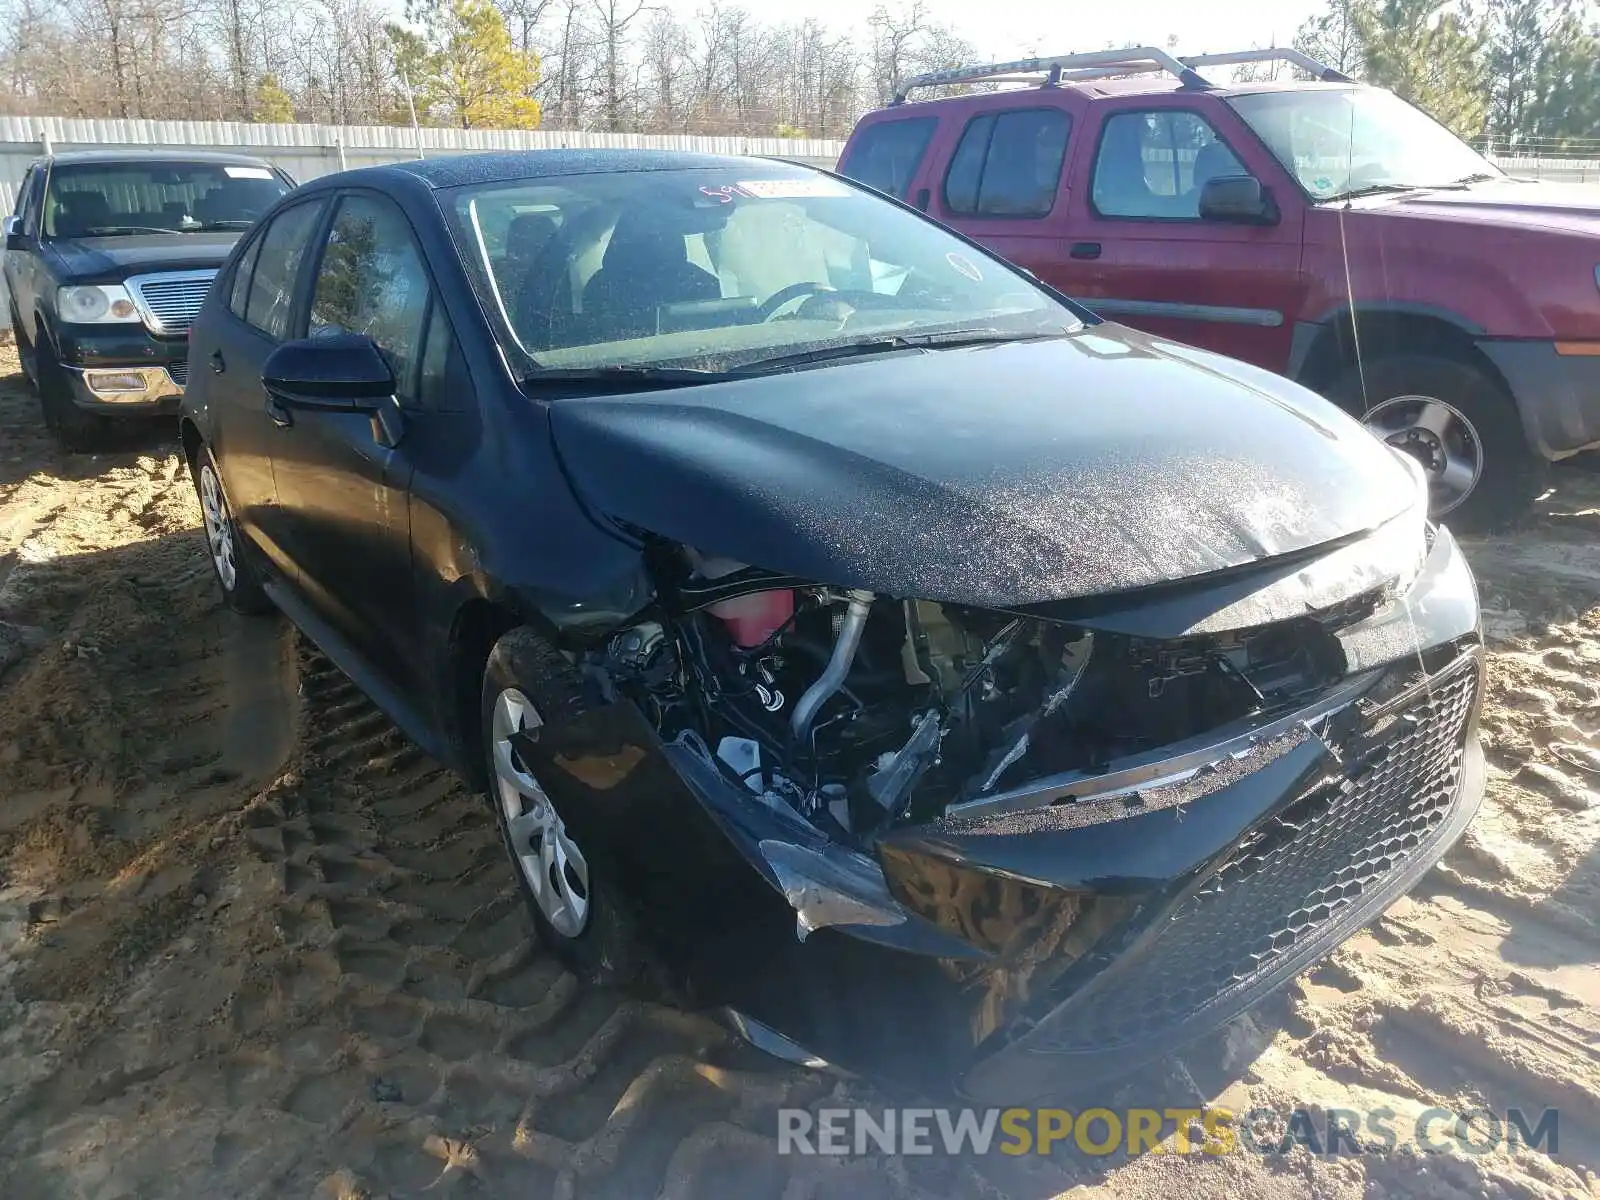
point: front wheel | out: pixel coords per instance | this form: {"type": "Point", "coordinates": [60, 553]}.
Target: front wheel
{"type": "Point", "coordinates": [571, 890]}
{"type": "Point", "coordinates": [75, 429]}
{"type": "Point", "coordinates": [1460, 425]}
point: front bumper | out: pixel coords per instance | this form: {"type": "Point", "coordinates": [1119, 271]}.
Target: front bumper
{"type": "Point", "coordinates": [93, 355]}
{"type": "Point", "coordinates": [125, 389]}
{"type": "Point", "coordinates": [1557, 394]}
{"type": "Point", "coordinates": [1026, 950]}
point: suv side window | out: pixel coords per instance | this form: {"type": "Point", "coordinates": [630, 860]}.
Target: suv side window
{"type": "Point", "coordinates": [1008, 164]}
{"type": "Point", "coordinates": [269, 304]}
{"type": "Point", "coordinates": [373, 280]}
{"type": "Point", "coordinates": [887, 154]}
{"type": "Point", "coordinates": [1154, 163]}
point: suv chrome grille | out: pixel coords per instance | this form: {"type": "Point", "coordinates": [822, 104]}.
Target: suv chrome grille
{"type": "Point", "coordinates": [169, 301]}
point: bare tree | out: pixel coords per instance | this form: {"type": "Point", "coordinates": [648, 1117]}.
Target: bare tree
{"type": "Point", "coordinates": [615, 16]}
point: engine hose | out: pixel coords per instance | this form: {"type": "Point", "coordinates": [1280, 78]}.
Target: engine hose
{"type": "Point", "coordinates": [833, 675]}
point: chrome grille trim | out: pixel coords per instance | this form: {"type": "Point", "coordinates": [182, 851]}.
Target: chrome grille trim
{"type": "Point", "coordinates": [169, 300]}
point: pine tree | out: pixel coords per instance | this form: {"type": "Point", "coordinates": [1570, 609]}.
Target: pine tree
{"type": "Point", "coordinates": [464, 68]}
{"type": "Point", "coordinates": [1430, 52]}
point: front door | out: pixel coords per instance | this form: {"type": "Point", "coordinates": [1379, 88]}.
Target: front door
{"type": "Point", "coordinates": [1144, 256]}
{"type": "Point", "coordinates": [230, 348]}
{"type": "Point", "coordinates": [341, 491]}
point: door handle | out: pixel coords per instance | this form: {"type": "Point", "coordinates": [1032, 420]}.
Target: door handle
{"type": "Point", "coordinates": [218, 363]}
{"type": "Point", "coordinates": [278, 412]}
{"type": "Point", "coordinates": [1085, 250]}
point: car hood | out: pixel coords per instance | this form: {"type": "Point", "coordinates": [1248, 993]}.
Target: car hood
{"type": "Point", "coordinates": [1512, 203]}
{"type": "Point", "coordinates": [103, 259]}
{"type": "Point", "coordinates": [998, 476]}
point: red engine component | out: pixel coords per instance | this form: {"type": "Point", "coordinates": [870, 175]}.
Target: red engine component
{"type": "Point", "coordinates": [753, 618]}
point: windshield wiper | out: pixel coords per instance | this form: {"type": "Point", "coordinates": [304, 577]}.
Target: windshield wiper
{"type": "Point", "coordinates": [1373, 189]}
{"type": "Point", "coordinates": [112, 230]}
{"type": "Point", "coordinates": [947, 340]}
{"type": "Point", "coordinates": [623, 378]}
{"type": "Point", "coordinates": [228, 223]}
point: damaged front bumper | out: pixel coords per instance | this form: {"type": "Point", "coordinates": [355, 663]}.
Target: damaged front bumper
{"type": "Point", "coordinates": [1059, 933]}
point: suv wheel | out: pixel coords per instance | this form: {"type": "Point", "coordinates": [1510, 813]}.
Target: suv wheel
{"type": "Point", "coordinates": [75, 429]}
{"type": "Point", "coordinates": [241, 588]}
{"type": "Point", "coordinates": [1460, 425]}
{"type": "Point", "coordinates": [571, 890]}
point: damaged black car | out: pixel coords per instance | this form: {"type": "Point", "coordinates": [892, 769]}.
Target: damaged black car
{"type": "Point", "coordinates": [851, 635]}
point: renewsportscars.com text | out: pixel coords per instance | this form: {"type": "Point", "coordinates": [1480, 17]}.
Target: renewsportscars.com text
{"type": "Point", "coordinates": [1101, 1131]}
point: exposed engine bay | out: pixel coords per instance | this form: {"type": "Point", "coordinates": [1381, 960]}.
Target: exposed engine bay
{"type": "Point", "coordinates": [862, 711]}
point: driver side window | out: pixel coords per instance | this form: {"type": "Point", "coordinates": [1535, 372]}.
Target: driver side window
{"type": "Point", "coordinates": [1153, 164]}
{"type": "Point", "coordinates": [372, 280]}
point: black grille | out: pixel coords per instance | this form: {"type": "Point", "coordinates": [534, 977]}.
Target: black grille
{"type": "Point", "coordinates": [179, 372]}
{"type": "Point", "coordinates": [1296, 875]}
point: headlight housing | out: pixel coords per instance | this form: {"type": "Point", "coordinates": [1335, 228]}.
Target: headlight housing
{"type": "Point", "coordinates": [96, 304]}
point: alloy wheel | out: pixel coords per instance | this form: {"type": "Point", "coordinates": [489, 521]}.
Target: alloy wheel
{"type": "Point", "coordinates": [1440, 437]}
{"type": "Point", "coordinates": [551, 863]}
{"type": "Point", "coordinates": [219, 526]}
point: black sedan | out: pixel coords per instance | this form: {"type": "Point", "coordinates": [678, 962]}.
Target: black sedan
{"type": "Point", "coordinates": [851, 634]}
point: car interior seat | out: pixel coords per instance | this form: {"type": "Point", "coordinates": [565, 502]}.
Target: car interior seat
{"type": "Point", "coordinates": [646, 266]}
{"type": "Point", "coordinates": [1120, 186]}
{"type": "Point", "coordinates": [79, 212]}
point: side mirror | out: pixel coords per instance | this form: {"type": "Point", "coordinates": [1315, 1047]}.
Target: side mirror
{"type": "Point", "coordinates": [341, 373]}
{"type": "Point", "coordinates": [15, 238]}
{"type": "Point", "coordinates": [1237, 199]}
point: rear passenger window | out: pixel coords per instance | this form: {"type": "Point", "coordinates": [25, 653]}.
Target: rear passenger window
{"type": "Point", "coordinates": [270, 302]}
{"type": "Point", "coordinates": [1008, 164]}
{"type": "Point", "coordinates": [886, 155]}
{"type": "Point", "coordinates": [1153, 164]}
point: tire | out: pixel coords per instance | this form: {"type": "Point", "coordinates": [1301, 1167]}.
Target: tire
{"type": "Point", "coordinates": [1509, 477]}
{"type": "Point", "coordinates": [603, 945]}
{"type": "Point", "coordinates": [230, 559]}
{"type": "Point", "coordinates": [76, 430]}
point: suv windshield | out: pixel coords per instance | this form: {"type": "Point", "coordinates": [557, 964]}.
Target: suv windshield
{"type": "Point", "coordinates": [88, 200]}
{"type": "Point", "coordinates": [1340, 141]}
{"type": "Point", "coordinates": [723, 269]}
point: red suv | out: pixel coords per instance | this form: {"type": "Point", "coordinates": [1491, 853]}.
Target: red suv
{"type": "Point", "coordinates": [1324, 230]}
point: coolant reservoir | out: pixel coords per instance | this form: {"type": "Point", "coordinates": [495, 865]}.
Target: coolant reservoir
{"type": "Point", "coordinates": [753, 618]}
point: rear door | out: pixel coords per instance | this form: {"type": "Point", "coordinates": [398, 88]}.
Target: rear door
{"type": "Point", "coordinates": [999, 178]}
{"type": "Point", "coordinates": [341, 492]}
{"type": "Point", "coordinates": [1142, 254]}
{"type": "Point", "coordinates": [264, 295]}
{"type": "Point", "coordinates": [888, 153]}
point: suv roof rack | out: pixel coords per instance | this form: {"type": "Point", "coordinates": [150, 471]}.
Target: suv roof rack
{"type": "Point", "coordinates": [1101, 64]}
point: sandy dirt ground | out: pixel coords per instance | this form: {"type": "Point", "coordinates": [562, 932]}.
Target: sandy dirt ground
{"type": "Point", "coordinates": [252, 943]}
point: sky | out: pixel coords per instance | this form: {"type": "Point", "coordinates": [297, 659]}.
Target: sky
{"type": "Point", "coordinates": [1008, 29]}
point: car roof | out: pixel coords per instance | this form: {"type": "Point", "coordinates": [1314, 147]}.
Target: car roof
{"type": "Point", "coordinates": [111, 157]}
{"type": "Point", "coordinates": [505, 167]}
{"type": "Point", "coordinates": [1150, 84]}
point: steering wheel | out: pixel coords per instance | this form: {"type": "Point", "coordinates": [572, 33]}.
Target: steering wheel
{"type": "Point", "coordinates": [788, 295]}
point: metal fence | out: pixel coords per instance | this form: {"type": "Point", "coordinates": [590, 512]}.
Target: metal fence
{"type": "Point", "coordinates": [306, 151]}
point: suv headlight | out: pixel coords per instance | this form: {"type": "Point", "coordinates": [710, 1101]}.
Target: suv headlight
{"type": "Point", "coordinates": [96, 304]}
